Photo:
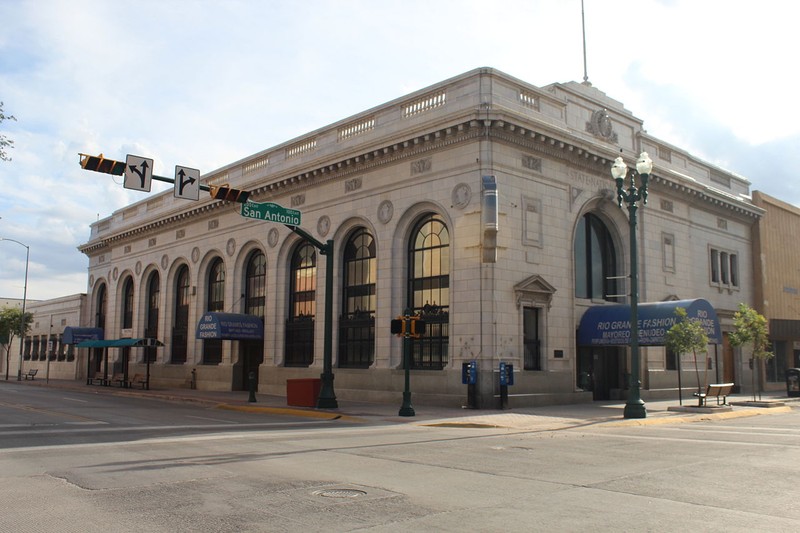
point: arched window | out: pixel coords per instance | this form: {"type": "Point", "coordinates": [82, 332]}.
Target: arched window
{"type": "Point", "coordinates": [215, 293]}
{"type": "Point", "coordinates": [302, 300]}
{"type": "Point", "coordinates": [255, 284]}
{"type": "Point", "coordinates": [100, 322]}
{"type": "Point", "coordinates": [429, 289]}
{"type": "Point", "coordinates": [357, 323]}
{"type": "Point", "coordinates": [251, 352]}
{"type": "Point", "coordinates": [595, 260]}
{"type": "Point", "coordinates": [180, 322]}
{"type": "Point", "coordinates": [153, 297]}
{"type": "Point", "coordinates": [127, 303]}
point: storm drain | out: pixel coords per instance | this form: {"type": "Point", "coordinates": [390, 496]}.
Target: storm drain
{"type": "Point", "coordinates": [339, 493]}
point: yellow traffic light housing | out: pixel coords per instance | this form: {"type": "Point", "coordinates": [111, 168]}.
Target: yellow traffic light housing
{"type": "Point", "coordinates": [224, 192]}
{"type": "Point", "coordinates": [98, 163]}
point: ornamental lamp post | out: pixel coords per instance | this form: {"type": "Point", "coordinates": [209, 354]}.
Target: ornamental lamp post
{"type": "Point", "coordinates": [634, 407]}
{"type": "Point", "coordinates": [24, 299]}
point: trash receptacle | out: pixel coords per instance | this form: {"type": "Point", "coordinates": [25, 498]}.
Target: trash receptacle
{"type": "Point", "coordinates": [793, 382]}
{"type": "Point", "coordinates": [303, 392]}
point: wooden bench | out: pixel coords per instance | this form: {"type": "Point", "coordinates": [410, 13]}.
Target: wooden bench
{"type": "Point", "coordinates": [99, 377]}
{"type": "Point", "coordinates": [120, 378]}
{"type": "Point", "coordinates": [714, 390]}
{"type": "Point", "coordinates": [139, 379]}
{"type": "Point", "coordinates": [31, 373]}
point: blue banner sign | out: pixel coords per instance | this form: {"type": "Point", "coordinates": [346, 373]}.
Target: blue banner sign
{"type": "Point", "coordinates": [73, 335]}
{"type": "Point", "coordinates": [230, 326]}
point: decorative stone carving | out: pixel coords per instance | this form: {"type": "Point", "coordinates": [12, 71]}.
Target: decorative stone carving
{"type": "Point", "coordinates": [600, 126]}
{"type": "Point", "coordinates": [423, 165]}
{"type": "Point", "coordinates": [461, 195]}
{"type": "Point", "coordinates": [165, 261]}
{"type": "Point", "coordinates": [323, 225]}
{"type": "Point", "coordinates": [138, 268]}
{"type": "Point", "coordinates": [385, 211]}
{"type": "Point", "coordinates": [272, 237]}
{"type": "Point", "coordinates": [230, 247]}
{"type": "Point", "coordinates": [195, 254]}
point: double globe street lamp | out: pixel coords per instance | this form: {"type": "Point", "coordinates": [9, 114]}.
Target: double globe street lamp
{"type": "Point", "coordinates": [634, 407]}
{"type": "Point", "coordinates": [22, 317]}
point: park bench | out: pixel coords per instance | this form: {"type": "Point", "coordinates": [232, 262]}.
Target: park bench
{"type": "Point", "coordinates": [120, 378]}
{"type": "Point", "coordinates": [714, 390]}
{"type": "Point", "coordinates": [99, 378]}
{"type": "Point", "coordinates": [31, 373]}
{"type": "Point", "coordinates": [139, 379]}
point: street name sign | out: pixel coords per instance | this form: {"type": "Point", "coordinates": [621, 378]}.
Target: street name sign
{"type": "Point", "coordinates": [138, 173]}
{"type": "Point", "coordinates": [271, 213]}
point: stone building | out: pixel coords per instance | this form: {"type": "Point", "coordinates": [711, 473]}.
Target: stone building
{"type": "Point", "coordinates": [483, 203]}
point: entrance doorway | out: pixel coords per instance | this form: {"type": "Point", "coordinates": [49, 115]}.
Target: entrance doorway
{"type": "Point", "coordinates": [728, 367]}
{"type": "Point", "coordinates": [601, 369]}
{"type": "Point", "coordinates": [251, 356]}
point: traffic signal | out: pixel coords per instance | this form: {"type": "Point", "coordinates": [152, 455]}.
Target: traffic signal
{"type": "Point", "coordinates": [398, 326]}
{"type": "Point", "coordinates": [98, 163]}
{"type": "Point", "coordinates": [417, 326]}
{"type": "Point", "coordinates": [224, 192]}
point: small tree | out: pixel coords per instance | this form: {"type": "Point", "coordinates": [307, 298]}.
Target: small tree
{"type": "Point", "coordinates": [11, 323]}
{"type": "Point", "coordinates": [685, 336]}
{"type": "Point", "coordinates": [750, 327]}
{"type": "Point", "coordinates": [5, 142]}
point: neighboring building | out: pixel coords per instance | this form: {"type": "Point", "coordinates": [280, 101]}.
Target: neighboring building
{"type": "Point", "coordinates": [405, 192]}
{"type": "Point", "coordinates": [777, 283]}
{"type": "Point", "coordinates": [44, 347]}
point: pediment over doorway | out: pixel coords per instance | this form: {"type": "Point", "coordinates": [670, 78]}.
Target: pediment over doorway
{"type": "Point", "coordinates": [534, 290]}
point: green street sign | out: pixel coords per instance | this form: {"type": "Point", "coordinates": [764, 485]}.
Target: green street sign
{"type": "Point", "coordinates": [271, 213]}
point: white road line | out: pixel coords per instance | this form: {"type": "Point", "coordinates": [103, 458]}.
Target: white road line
{"type": "Point", "coordinates": [74, 399]}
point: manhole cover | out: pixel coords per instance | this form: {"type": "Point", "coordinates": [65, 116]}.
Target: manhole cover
{"type": "Point", "coordinates": [339, 493]}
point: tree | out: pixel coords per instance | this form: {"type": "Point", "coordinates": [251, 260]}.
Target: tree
{"type": "Point", "coordinates": [750, 327]}
{"type": "Point", "coordinates": [11, 323]}
{"type": "Point", "coordinates": [5, 142]}
{"type": "Point", "coordinates": [688, 335]}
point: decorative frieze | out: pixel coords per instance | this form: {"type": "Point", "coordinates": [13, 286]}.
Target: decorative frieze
{"type": "Point", "coordinates": [422, 165]}
{"type": "Point", "coordinates": [352, 185]}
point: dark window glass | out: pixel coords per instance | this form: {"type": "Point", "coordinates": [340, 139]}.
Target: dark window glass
{"type": "Point", "coordinates": [595, 260]}
{"type": "Point", "coordinates": [429, 290]}
{"type": "Point", "coordinates": [215, 291]}
{"type": "Point", "coordinates": [302, 298]}
{"type": "Point", "coordinates": [255, 285]}
{"type": "Point", "coordinates": [357, 322]}
{"type": "Point", "coordinates": [180, 324]}
{"type": "Point", "coordinates": [153, 297]}
{"type": "Point", "coordinates": [530, 319]}
{"type": "Point", "coordinates": [127, 304]}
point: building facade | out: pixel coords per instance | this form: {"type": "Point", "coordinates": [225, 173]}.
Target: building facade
{"type": "Point", "coordinates": [778, 286]}
{"type": "Point", "coordinates": [483, 203]}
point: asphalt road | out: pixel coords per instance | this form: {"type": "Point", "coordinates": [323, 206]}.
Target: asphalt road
{"type": "Point", "coordinates": [207, 470]}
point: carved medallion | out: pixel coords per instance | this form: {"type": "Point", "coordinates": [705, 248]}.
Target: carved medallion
{"type": "Point", "coordinates": [461, 195]}
{"type": "Point", "coordinates": [272, 238]}
{"type": "Point", "coordinates": [323, 225]}
{"type": "Point", "coordinates": [385, 211]}
{"type": "Point", "coordinates": [230, 247]}
{"type": "Point", "coordinates": [195, 254]}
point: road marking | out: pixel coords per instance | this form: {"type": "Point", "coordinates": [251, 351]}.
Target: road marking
{"type": "Point", "coordinates": [212, 419]}
{"type": "Point", "coordinates": [74, 399]}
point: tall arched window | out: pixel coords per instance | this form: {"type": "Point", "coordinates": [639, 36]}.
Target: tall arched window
{"type": "Point", "coordinates": [101, 300]}
{"type": "Point", "coordinates": [595, 260]}
{"type": "Point", "coordinates": [153, 297]}
{"type": "Point", "coordinates": [255, 284]}
{"type": "Point", "coordinates": [127, 303]}
{"type": "Point", "coordinates": [215, 293]}
{"type": "Point", "coordinates": [429, 289]}
{"type": "Point", "coordinates": [302, 300]}
{"type": "Point", "coordinates": [180, 322]}
{"type": "Point", "coordinates": [251, 352]}
{"type": "Point", "coordinates": [357, 323]}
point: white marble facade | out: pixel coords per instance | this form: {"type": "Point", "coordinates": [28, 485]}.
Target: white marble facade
{"type": "Point", "coordinates": [550, 150]}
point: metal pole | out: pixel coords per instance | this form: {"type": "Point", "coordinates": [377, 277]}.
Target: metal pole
{"type": "Point", "coordinates": [22, 318]}
{"type": "Point", "coordinates": [407, 409]}
{"type": "Point", "coordinates": [327, 397]}
{"type": "Point", "coordinates": [634, 408]}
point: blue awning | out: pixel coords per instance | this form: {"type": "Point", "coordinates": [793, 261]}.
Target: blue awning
{"type": "Point", "coordinates": [120, 343]}
{"type": "Point", "coordinates": [229, 326]}
{"type": "Point", "coordinates": [610, 325]}
{"type": "Point", "coordinates": [73, 335]}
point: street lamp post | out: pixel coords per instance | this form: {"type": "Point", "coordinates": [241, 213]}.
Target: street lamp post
{"type": "Point", "coordinates": [24, 300]}
{"type": "Point", "coordinates": [634, 407]}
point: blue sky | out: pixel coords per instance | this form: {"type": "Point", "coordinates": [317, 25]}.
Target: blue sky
{"type": "Point", "coordinates": [204, 83]}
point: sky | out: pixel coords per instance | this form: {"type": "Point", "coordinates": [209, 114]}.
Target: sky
{"type": "Point", "coordinates": [204, 83]}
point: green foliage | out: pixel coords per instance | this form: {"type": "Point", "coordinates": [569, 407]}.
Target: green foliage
{"type": "Point", "coordinates": [751, 327]}
{"type": "Point", "coordinates": [10, 322]}
{"type": "Point", "coordinates": [686, 335]}
{"type": "Point", "coordinates": [5, 142]}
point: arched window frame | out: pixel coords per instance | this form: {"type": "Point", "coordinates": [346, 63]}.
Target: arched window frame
{"type": "Point", "coordinates": [595, 277]}
{"type": "Point", "coordinates": [299, 343]}
{"type": "Point", "coordinates": [357, 321]}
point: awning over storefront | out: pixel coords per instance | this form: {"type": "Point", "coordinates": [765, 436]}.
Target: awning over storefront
{"type": "Point", "coordinates": [610, 325]}
{"type": "Point", "coordinates": [229, 326]}
{"type": "Point", "coordinates": [120, 343]}
{"type": "Point", "coordinates": [73, 335]}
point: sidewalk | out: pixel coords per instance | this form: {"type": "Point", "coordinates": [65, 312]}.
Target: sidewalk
{"type": "Point", "coordinates": [523, 418]}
